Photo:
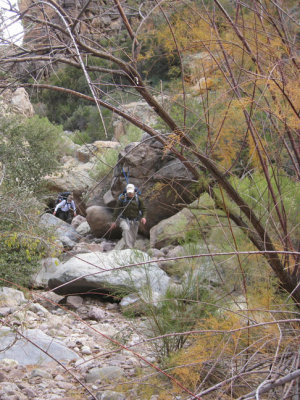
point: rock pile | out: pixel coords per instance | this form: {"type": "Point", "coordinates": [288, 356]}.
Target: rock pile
{"type": "Point", "coordinates": [97, 350]}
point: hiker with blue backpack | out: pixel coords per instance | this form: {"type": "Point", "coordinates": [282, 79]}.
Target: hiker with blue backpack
{"type": "Point", "coordinates": [63, 209]}
{"type": "Point", "coordinates": [128, 214]}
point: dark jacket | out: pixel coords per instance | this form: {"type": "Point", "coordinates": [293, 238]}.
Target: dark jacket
{"type": "Point", "coordinates": [129, 208]}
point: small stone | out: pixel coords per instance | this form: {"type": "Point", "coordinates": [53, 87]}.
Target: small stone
{"type": "Point", "coordinates": [8, 364]}
{"type": "Point", "coordinates": [112, 306]}
{"type": "Point", "coordinates": [110, 395]}
{"type": "Point", "coordinates": [3, 377]}
{"type": "Point", "coordinates": [104, 374]}
{"type": "Point", "coordinates": [29, 393]}
{"type": "Point", "coordinates": [96, 313]}
{"type": "Point", "coordinates": [86, 350]}
{"type": "Point", "coordinates": [74, 301]}
{"type": "Point", "coordinates": [59, 378]}
{"type": "Point", "coordinates": [40, 373]}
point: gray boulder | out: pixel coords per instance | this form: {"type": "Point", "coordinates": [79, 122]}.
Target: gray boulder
{"type": "Point", "coordinates": [83, 229]}
{"type": "Point", "coordinates": [190, 220]}
{"type": "Point", "coordinates": [114, 272]}
{"type": "Point", "coordinates": [47, 267]}
{"type": "Point", "coordinates": [99, 219]}
{"type": "Point", "coordinates": [10, 297]}
{"type": "Point", "coordinates": [78, 220]}
{"type": "Point", "coordinates": [64, 231]}
{"type": "Point", "coordinates": [163, 180]}
{"type": "Point", "coordinates": [35, 350]}
{"type": "Point", "coordinates": [86, 152]}
{"type": "Point", "coordinates": [16, 102]}
{"type": "Point", "coordinates": [172, 230]}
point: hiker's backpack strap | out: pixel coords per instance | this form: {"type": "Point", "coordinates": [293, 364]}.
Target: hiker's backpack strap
{"type": "Point", "coordinates": [123, 197]}
{"type": "Point", "coordinates": [126, 176]}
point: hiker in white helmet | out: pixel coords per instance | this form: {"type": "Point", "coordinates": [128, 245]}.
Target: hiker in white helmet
{"type": "Point", "coordinates": [128, 214]}
{"type": "Point", "coordinates": [64, 208]}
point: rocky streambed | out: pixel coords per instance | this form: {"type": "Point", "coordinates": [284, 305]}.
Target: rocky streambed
{"type": "Point", "coordinates": [73, 347]}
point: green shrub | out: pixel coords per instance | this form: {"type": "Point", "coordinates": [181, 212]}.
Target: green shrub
{"type": "Point", "coordinates": [18, 259]}
{"type": "Point", "coordinates": [179, 311]}
{"type": "Point", "coordinates": [133, 134]}
{"type": "Point", "coordinates": [29, 149]}
{"type": "Point", "coordinates": [80, 138]}
{"type": "Point", "coordinates": [22, 241]}
{"type": "Point", "coordinates": [61, 106]}
{"type": "Point", "coordinates": [254, 189]}
{"type": "Point", "coordinates": [106, 162]}
{"type": "Point", "coordinates": [88, 120]}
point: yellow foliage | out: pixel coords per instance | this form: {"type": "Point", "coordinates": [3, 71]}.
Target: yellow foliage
{"type": "Point", "coordinates": [173, 139]}
{"type": "Point", "coordinates": [281, 107]}
{"type": "Point", "coordinates": [256, 146]}
{"type": "Point", "coordinates": [202, 85]}
{"type": "Point", "coordinates": [165, 396]}
{"type": "Point", "coordinates": [230, 127]}
{"type": "Point", "coordinates": [193, 33]}
{"type": "Point", "coordinates": [227, 341]}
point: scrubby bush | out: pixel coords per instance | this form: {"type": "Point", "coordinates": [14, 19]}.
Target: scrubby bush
{"type": "Point", "coordinates": [19, 258]}
{"type": "Point", "coordinates": [29, 150]}
{"type": "Point", "coordinates": [22, 241]}
{"type": "Point", "coordinates": [133, 134]}
{"type": "Point", "coordinates": [87, 120]}
{"type": "Point", "coordinates": [179, 312]}
{"type": "Point", "coordinates": [105, 164]}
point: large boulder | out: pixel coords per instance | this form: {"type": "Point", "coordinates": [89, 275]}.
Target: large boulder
{"type": "Point", "coordinates": [172, 230]}
{"type": "Point", "coordinates": [64, 231]}
{"type": "Point", "coordinates": [48, 266]}
{"type": "Point", "coordinates": [86, 152]}
{"type": "Point", "coordinates": [99, 219]}
{"type": "Point", "coordinates": [73, 176]}
{"type": "Point", "coordinates": [16, 102]}
{"type": "Point", "coordinates": [10, 297]}
{"type": "Point", "coordinates": [189, 221]}
{"type": "Point", "coordinates": [115, 272]}
{"type": "Point", "coordinates": [164, 181]}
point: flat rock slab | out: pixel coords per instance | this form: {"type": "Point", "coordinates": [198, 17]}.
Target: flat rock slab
{"type": "Point", "coordinates": [33, 347]}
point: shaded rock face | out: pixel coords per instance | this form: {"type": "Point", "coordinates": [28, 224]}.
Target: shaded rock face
{"type": "Point", "coordinates": [173, 230]}
{"type": "Point", "coordinates": [99, 20]}
{"type": "Point", "coordinates": [163, 180]}
{"type": "Point", "coordinates": [99, 219]}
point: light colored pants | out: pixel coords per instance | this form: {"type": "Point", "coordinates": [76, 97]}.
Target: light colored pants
{"type": "Point", "coordinates": [129, 234]}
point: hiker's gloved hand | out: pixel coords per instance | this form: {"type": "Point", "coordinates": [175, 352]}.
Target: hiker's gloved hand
{"type": "Point", "coordinates": [143, 221]}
